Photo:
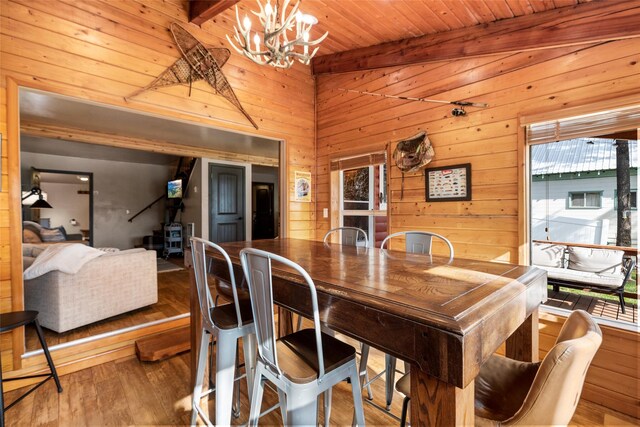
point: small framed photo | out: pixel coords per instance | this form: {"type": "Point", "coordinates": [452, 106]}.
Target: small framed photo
{"type": "Point", "coordinates": [448, 183]}
{"type": "Point", "coordinates": [302, 186]}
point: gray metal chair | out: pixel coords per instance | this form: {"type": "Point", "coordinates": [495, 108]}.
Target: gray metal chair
{"type": "Point", "coordinates": [302, 365]}
{"type": "Point", "coordinates": [416, 242]}
{"type": "Point", "coordinates": [419, 242]}
{"type": "Point", "coordinates": [225, 324]}
{"type": "Point", "coordinates": [349, 235]}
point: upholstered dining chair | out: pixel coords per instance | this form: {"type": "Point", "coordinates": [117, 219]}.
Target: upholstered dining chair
{"type": "Point", "coordinates": [416, 242]}
{"type": "Point", "coordinates": [302, 365]}
{"type": "Point", "coordinates": [224, 324]}
{"type": "Point", "coordinates": [513, 393]}
{"type": "Point", "coordinates": [348, 235]}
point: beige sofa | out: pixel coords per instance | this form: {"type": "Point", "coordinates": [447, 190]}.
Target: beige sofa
{"type": "Point", "coordinates": [112, 284]}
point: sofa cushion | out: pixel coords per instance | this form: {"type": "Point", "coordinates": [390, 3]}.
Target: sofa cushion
{"type": "Point", "coordinates": [118, 252]}
{"type": "Point", "coordinates": [30, 236]}
{"type": "Point", "coordinates": [110, 250]}
{"type": "Point", "coordinates": [52, 235]}
{"type": "Point", "coordinates": [33, 249]}
{"type": "Point", "coordinates": [27, 261]}
{"type": "Point", "coordinates": [33, 226]}
{"type": "Point", "coordinates": [548, 255]}
{"type": "Point", "coordinates": [604, 280]}
{"type": "Point", "coordinates": [596, 260]}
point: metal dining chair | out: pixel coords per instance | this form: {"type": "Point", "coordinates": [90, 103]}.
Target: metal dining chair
{"type": "Point", "coordinates": [416, 242]}
{"type": "Point", "coordinates": [224, 324]}
{"type": "Point", "coordinates": [349, 235]}
{"type": "Point", "coordinates": [513, 393]}
{"type": "Point", "coordinates": [302, 365]}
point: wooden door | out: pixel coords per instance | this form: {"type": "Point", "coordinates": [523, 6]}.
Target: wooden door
{"type": "Point", "coordinates": [226, 203]}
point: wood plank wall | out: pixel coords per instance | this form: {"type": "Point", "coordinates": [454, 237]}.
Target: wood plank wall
{"type": "Point", "coordinates": [486, 227]}
{"type": "Point", "coordinates": [104, 50]}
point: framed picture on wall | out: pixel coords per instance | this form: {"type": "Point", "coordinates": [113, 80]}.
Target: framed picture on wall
{"type": "Point", "coordinates": [448, 183]}
{"type": "Point", "coordinates": [302, 186]}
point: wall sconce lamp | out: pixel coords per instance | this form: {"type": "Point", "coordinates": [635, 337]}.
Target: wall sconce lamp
{"type": "Point", "coordinates": [41, 203]}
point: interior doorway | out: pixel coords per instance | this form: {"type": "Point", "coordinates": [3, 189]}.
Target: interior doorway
{"type": "Point", "coordinates": [226, 203]}
{"type": "Point", "coordinates": [69, 195]}
{"type": "Point", "coordinates": [263, 218]}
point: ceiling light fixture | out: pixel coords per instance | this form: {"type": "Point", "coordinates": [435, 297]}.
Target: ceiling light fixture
{"type": "Point", "coordinates": [273, 47]}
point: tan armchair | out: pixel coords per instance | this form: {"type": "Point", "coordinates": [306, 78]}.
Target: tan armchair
{"type": "Point", "coordinates": [513, 393]}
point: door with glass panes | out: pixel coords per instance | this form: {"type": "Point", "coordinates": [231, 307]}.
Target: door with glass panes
{"type": "Point", "coordinates": [363, 200]}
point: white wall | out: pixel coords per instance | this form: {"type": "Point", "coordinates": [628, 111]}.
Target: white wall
{"type": "Point", "coordinates": [193, 203]}
{"type": "Point", "coordinates": [554, 203]}
{"type": "Point", "coordinates": [118, 187]}
{"type": "Point", "coordinates": [67, 204]}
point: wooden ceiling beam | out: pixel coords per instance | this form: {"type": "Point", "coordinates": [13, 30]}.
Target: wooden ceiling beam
{"type": "Point", "coordinates": [200, 11]}
{"type": "Point", "coordinates": [593, 22]}
{"type": "Point", "coordinates": [45, 130]}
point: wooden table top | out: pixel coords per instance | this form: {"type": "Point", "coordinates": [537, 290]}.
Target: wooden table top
{"type": "Point", "coordinates": [454, 296]}
{"type": "Point", "coordinates": [444, 318]}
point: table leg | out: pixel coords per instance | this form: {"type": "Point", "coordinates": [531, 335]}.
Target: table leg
{"type": "Point", "coordinates": [285, 322]}
{"type": "Point", "coordinates": [437, 403]}
{"type": "Point", "coordinates": [523, 343]}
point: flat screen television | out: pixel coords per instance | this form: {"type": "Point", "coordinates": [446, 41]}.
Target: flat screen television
{"type": "Point", "coordinates": [174, 189]}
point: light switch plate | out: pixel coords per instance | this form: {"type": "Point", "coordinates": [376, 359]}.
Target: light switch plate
{"type": "Point", "coordinates": [325, 213]}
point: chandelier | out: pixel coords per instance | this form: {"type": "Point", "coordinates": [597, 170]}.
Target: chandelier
{"type": "Point", "coordinates": [284, 39]}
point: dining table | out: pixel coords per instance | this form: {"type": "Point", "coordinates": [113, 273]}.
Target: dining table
{"type": "Point", "coordinates": [445, 317]}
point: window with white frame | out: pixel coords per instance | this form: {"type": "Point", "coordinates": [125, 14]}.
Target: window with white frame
{"type": "Point", "coordinates": [585, 199]}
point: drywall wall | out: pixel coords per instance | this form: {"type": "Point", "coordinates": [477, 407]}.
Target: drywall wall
{"type": "Point", "coordinates": [67, 204]}
{"type": "Point", "coordinates": [118, 188]}
{"type": "Point", "coordinates": [193, 202]}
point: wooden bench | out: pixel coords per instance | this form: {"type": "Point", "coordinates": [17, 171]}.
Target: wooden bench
{"type": "Point", "coordinates": [597, 268]}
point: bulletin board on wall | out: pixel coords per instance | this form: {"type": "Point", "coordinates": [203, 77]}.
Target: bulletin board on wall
{"type": "Point", "coordinates": [448, 183]}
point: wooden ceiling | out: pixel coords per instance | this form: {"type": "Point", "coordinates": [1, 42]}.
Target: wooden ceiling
{"type": "Point", "coordinates": [354, 24]}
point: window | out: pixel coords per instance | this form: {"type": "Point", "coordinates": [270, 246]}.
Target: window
{"type": "Point", "coordinates": [585, 200]}
{"type": "Point", "coordinates": [576, 164]}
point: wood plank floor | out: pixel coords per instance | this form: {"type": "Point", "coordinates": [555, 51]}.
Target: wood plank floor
{"type": "Point", "coordinates": [129, 392]}
{"type": "Point", "coordinates": [597, 307]}
{"type": "Point", "coordinates": [173, 299]}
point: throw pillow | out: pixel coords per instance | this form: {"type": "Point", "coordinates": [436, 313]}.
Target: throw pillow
{"type": "Point", "coordinates": [53, 235]}
{"type": "Point", "coordinates": [29, 236]}
{"type": "Point", "coordinates": [596, 260]}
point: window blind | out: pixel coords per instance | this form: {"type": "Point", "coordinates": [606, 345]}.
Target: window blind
{"type": "Point", "coordinates": [358, 162]}
{"type": "Point", "coordinates": [588, 125]}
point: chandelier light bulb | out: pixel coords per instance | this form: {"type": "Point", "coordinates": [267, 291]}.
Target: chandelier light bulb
{"type": "Point", "coordinates": [309, 19]}
{"type": "Point", "coordinates": [283, 35]}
